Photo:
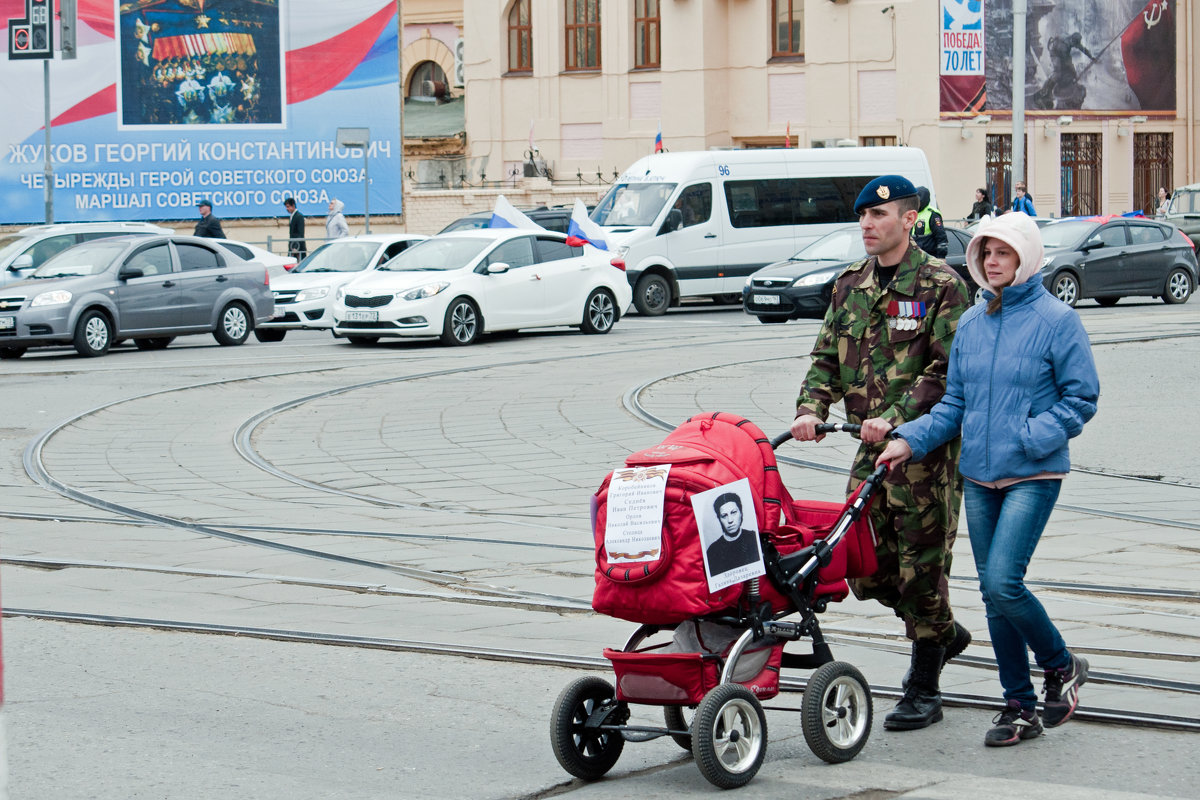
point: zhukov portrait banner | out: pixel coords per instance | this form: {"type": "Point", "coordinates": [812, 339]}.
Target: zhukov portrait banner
{"type": "Point", "coordinates": [238, 101]}
{"type": "Point", "coordinates": [1080, 55]}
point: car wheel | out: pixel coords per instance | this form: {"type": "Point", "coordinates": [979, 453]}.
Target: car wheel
{"type": "Point", "coordinates": [462, 323]}
{"type": "Point", "coordinates": [977, 297]}
{"type": "Point", "coordinates": [270, 334]}
{"type": "Point", "coordinates": [652, 295]}
{"type": "Point", "coordinates": [93, 334]}
{"type": "Point", "coordinates": [11, 352]}
{"type": "Point", "coordinates": [362, 341]}
{"type": "Point", "coordinates": [771, 320]}
{"type": "Point", "coordinates": [1179, 287]}
{"type": "Point", "coordinates": [233, 326]}
{"type": "Point", "coordinates": [1108, 301]}
{"type": "Point", "coordinates": [726, 299]}
{"type": "Point", "coordinates": [599, 312]}
{"type": "Point", "coordinates": [156, 343]}
{"type": "Point", "coordinates": [1066, 288]}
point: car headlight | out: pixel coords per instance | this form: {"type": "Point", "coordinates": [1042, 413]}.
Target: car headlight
{"type": "Point", "coordinates": [428, 290]}
{"type": "Point", "coordinates": [312, 294]}
{"type": "Point", "coordinates": [622, 250]}
{"type": "Point", "coordinates": [341, 294]}
{"type": "Point", "coordinates": [1046, 261]}
{"type": "Point", "coordinates": [55, 298]}
{"type": "Point", "coordinates": [749, 280]}
{"type": "Point", "coordinates": [815, 278]}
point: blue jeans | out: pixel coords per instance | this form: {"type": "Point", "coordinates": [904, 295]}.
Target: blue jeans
{"type": "Point", "coordinates": [1005, 526]}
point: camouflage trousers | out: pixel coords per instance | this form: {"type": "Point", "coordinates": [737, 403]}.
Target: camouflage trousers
{"type": "Point", "coordinates": [914, 551]}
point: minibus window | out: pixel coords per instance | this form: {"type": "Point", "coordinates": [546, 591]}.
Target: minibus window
{"type": "Point", "coordinates": [633, 204]}
{"type": "Point", "coordinates": [793, 201]}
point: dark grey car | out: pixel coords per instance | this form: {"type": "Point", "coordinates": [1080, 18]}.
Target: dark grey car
{"type": "Point", "coordinates": [146, 288]}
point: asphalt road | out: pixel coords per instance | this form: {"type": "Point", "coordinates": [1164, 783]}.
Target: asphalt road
{"type": "Point", "coordinates": [436, 499]}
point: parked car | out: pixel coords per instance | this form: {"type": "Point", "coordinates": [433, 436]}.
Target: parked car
{"type": "Point", "coordinates": [27, 249]}
{"type": "Point", "coordinates": [1107, 258]}
{"type": "Point", "coordinates": [552, 219]}
{"type": "Point", "coordinates": [803, 285]}
{"type": "Point", "coordinates": [146, 288]}
{"type": "Point", "coordinates": [1184, 212]}
{"type": "Point", "coordinates": [277, 265]}
{"type": "Point", "coordinates": [458, 285]}
{"type": "Point", "coordinates": [303, 297]}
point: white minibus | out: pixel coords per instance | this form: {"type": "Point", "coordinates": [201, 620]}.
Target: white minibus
{"type": "Point", "coordinates": [694, 224]}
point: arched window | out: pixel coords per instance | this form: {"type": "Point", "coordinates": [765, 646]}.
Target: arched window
{"type": "Point", "coordinates": [646, 25]}
{"type": "Point", "coordinates": [583, 34]}
{"type": "Point", "coordinates": [787, 27]}
{"type": "Point", "coordinates": [428, 83]}
{"type": "Point", "coordinates": [520, 38]}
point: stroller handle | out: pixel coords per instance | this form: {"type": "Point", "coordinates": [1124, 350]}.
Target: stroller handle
{"type": "Point", "coordinates": [824, 427]}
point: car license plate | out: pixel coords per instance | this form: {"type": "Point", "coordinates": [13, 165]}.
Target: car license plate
{"type": "Point", "coordinates": [7, 323]}
{"type": "Point", "coordinates": [362, 316]}
{"type": "Point", "coordinates": [765, 299]}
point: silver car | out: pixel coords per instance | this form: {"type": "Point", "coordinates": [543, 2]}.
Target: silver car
{"type": "Point", "coordinates": [27, 249]}
{"type": "Point", "coordinates": [146, 288]}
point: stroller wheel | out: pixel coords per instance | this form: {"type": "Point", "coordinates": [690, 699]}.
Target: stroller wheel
{"type": "Point", "coordinates": [676, 720]}
{"type": "Point", "coordinates": [729, 736]}
{"type": "Point", "coordinates": [836, 712]}
{"type": "Point", "coordinates": [583, 752]}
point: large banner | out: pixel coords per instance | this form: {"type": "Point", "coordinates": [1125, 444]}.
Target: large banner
{"type": "Point", "coordinates": [1080, 55]}
{"type": "Point", "coordinates": [235, 101]}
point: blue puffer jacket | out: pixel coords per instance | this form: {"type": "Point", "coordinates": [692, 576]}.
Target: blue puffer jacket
{"type": "Point", "coordinates": [1021, 383]}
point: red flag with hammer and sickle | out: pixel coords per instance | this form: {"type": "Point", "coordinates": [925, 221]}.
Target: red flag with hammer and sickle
{"type": "Point", "coordinates": [1148, 48]}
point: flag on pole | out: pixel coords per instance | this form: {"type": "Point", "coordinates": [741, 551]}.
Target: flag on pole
{"type": "Point", "coordinates": [506, 215]}
{"type": "Point", "coordinates": [582, 230]}
{"type": "Point", "coordinates": [658, 148]}
{"type": "Point", "coordinates": [787, 137]}
{"type": "Point", "coordinates": [532, 146]}
{"type": "Point", "coordinates": [1148, 52]}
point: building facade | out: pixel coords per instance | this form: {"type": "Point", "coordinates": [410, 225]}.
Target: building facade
{"type": "Point", "coordinates": [585, 86]}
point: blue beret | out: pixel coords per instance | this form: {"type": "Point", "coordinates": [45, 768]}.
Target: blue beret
{"type": "Point", "coordinates": [884, 189]}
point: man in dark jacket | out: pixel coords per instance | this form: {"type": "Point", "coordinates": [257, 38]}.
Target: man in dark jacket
{"type": "Point", "coordinates": [735, 547]}
{"type": "Point", "coordinates": [208, 226]}
{"type": "Point", "coordinates": [930, 232]}
{"type": "Point", "coordinates": [297, 245]}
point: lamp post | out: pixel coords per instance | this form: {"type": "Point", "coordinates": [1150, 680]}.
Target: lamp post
{"type": "Point", "coordinates": [360, 137]}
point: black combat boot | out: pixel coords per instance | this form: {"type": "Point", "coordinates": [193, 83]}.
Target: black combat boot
{"type": "Point", "coordinates": [962, 638]}
{"type": "Point", "coordinates": [921, 705]}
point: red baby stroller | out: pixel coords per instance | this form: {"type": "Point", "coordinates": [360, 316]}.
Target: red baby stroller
{"type": "Point", "coordinates": [727, 646]}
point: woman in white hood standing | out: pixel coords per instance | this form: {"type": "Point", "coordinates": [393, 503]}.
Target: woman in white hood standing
{"type": "Point", "coordinates": [1021, 383]}
{"type": "Point", "coordinates": [335, 223]}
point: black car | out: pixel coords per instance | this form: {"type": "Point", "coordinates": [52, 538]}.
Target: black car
{"type": "Point", "coordinates": [1107, 258]}
{"type": "Point", "coordinates": [552, 219]}
{"type": "Point", "coordinates": [803, 285]}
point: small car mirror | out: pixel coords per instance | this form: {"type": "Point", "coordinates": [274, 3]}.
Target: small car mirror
{"type": "Point", "coordinates": [23, 261]}
{"type": "Point", "coordinates": [1092, 244]}
{"type": "Point", "coordinates": [673, 222]}
{"type": "Point", "coordinates": [128, 272]}
{"type": "Point", "coordinates": [497, 268]}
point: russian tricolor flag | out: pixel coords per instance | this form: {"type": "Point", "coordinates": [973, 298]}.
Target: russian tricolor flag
{"type": "Point", "coordinates": [506, 215]}
{"type": "Point", "coordinates": [582, 230]}
{"type": "Point", "coordinates": [658, 140]}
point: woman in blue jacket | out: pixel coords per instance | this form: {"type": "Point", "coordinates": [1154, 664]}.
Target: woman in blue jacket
{"type": "Point", "coordinates": [1021, 383]}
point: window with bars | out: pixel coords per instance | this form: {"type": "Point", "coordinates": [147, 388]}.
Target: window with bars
{"type": "Point", "coordinates": [1153, 168]}
{"type": "Point", "coordinates": [583, 34]}
{"type": "Point", "coordinates": [999, 168]}
{"type": "Point", "coordinates": [520, 37]}
{"type": "Point", "coordinates": [646, 27]}
{"type": "Point", "coordinates": [877, 141]}
{"type": "Point", "coordinates": [1080, 157]}
{"type": "Point", "coordinates": [787, 27]}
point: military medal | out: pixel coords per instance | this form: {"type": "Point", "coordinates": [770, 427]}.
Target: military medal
{"type": "Point", "coordinates": [905, 315]}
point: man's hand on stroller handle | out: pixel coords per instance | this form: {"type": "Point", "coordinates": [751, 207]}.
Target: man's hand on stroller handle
{"type": "Point", "coordinates": [875, 430]}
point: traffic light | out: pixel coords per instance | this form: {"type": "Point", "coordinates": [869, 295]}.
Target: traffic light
{"type": "Point", "coordinates": [33, 36]}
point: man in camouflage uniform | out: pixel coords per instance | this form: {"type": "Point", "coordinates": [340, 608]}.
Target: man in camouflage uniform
{"type": "Point", "coordinates": [883, 350]}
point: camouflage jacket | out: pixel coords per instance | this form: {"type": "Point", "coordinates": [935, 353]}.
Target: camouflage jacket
{"type": "Point", "coordinates": [885, 359]}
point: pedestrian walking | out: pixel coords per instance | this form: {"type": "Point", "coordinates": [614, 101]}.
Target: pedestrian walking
{"type": "Point", "coordinates": [930, 230]}
{"type": "Point", "coordinates": [1021, 383]}
{"type": "Point", "coordinates": [297, 245]}
{"type": "Point", "coordinates": [335, 223]}
{"type": "Point", "coordinates": [883, 351]}
{"type": "Point", "coordinates": [1021, 202]}
{"type": "Point", "coordinates": [208, 225]}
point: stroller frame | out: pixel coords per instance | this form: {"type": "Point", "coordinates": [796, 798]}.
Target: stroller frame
{"type": "Point", "coordinates": [728, 732]}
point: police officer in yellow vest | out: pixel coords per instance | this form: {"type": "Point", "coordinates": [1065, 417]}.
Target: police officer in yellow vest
{"type": "Point", "coordinates": [929, 231]}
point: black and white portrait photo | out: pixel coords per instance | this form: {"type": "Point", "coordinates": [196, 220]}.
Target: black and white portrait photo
{"type": "Point", "coordinates": [728, 529]}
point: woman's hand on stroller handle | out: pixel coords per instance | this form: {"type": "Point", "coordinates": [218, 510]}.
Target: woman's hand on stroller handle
{"type": "Point", "coordinates": [896, 453]}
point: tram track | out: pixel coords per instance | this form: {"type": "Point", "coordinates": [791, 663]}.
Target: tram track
{"type": "Point", "coordinates": [591, 663]}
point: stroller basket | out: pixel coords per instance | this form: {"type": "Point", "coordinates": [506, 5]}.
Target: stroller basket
{"type": "Point", "coordinates": [673, 678]}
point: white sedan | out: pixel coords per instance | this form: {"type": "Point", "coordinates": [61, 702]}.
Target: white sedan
{"type": "Point", "coordinates": [276, 265]}
{"type": "Point", "coordinates": [303, 296]}
{"type": "Point", "coordinates": [461, 284]}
